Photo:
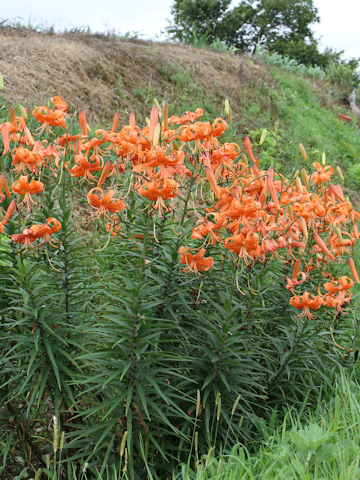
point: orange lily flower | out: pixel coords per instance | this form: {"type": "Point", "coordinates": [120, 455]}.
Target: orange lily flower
{"type": "Point", "coordinates": [104, 202]}
{"type": "Point", "coordinates": [159, 191]}
{"type": "Point", "coordinates": [157, 157]}
{"type": "Point", "coordinates": [59, 103]}
{"type": "Point", "coordinates": [29, 235]}
{"type": "Point", "coordinates": [84, 167]}
{"type": "Point", "coordinates": [15, 126]}
{"type": "Point", "coordinates": [67, 139]}
{"type": "Point", "coordinates": [245, 245]}
{"type": "Point", "coordinates": [293, 282]}
{"type": "Point", "coordinates": [186, 118]}
{"type": "Point", "coordinates": [49, 118]}
{"type": "Point", "coordinates": [24, 158]}
{"type": "Point", "coordinates": [337, 301]}
{"type": "Point", "coordinates": [323, 174]}
{"type": "Point", "coordinates": [195, 263]}
{"type": "Point", "coordinates": [306, 302]}
{"type": "Point", "coordinates": [23, 187]}
{"type": "Point", "coordinates": [341, 284]}
{"type": "Point", "coordinates": [207, 228]}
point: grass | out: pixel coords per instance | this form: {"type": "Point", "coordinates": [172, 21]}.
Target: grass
{"type": "Point", "coordinates": [318, 445]}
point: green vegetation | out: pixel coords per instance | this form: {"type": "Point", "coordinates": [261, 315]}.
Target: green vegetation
{"type": "Point", "coordinates": [305, 115]}
{"type": "Point", "coordinates": [316, 444]}
{"type": "Point", "coordinates": [117, 364]}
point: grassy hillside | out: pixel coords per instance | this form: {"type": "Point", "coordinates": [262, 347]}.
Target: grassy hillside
{"type": "Point", "coordinates": [104, 74]}
{"type": "Point", "coordinates": [108, 73]}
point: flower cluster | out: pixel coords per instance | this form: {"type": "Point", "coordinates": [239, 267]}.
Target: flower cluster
{"type": "Point", "coordinates": [251, 214]}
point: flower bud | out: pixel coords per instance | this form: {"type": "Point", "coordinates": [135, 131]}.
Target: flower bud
{"type": "Point", "coordinates": [299, 185]}
{"type": "Point", "coordinates": [340, 174]}
{"type": "Point", "coordinates": [263, 136]}
{"type": "Point", "coordinates": [305, 177]}
{"type": "Point", "coordinates": [303, 151]}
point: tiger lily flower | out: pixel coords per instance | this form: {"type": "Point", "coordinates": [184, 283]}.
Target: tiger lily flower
{"type": "Point", "coordinates": [341, 284]}
{"type": "Point", "coordinates": [49, 118]}
{"type": "Point", "coordinates": [195, 263]}
{"type": "Point", "coordinates": [323, 174]}
{"type": "Point", "coordinates": [338, 300]}
{"type": "Point", "coordinates": [23, 187]}
{"type": "Point", "coordinates": [293, 282]}
{"type": "Point", "coordinates": [186, 118]}
{"type": "Point", "coordinates": [23, 159]}
{"type": "Point", "coordinates": [209, 229]}
{"type": "Point", "coordinates": [29, 235]}
{"type": "Point", "coordinates": [59, 103]}
{"type": "Point", "coordinates": [84, 167]}
{"type": "Point", "coordinates": [306, 302]}
{"type": "Point", "coordinates": [15, 126]}
{"type": "Point", "coordinates": [104, 202]}
{"type": "Point", "coordinates": [245, 245]}
{"type": "Point", "coordinates": [159, 191]}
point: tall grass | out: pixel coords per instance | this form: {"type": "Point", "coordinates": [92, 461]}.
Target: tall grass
{"type": "Point", "coordinates": [317, 444]}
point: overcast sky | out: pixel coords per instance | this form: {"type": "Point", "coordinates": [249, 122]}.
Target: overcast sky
{"type": "Point", "coordinates": [339, 27]}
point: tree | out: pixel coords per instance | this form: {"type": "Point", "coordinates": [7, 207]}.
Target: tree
{"type": "Point", "coordinates": [280, 25]}
{"type": "Point", "coordinates": [200, 17]}
{"type": "Point", "coordinates": [279, 22]}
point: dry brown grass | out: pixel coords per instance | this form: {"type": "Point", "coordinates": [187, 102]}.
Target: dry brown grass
{"type": "Point", "coordinates": [104, 74]}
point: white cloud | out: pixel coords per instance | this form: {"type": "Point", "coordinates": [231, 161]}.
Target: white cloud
{"type": "Point", "coordinates": [339, 25]}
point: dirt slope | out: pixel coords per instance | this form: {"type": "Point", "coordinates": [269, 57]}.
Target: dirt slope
{"type": "Point", "coordinates": [106, 73]}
